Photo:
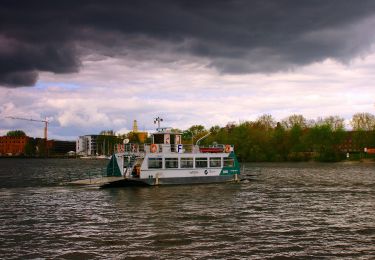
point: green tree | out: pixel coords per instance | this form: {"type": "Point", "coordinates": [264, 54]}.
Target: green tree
{"type": "Point", "coordinates": [241, 138]}
{"type": "Point", "coordinates": [107, 132]}
{"type": "Point", "coordinates": [297, 144]}
{"type": "Point", "coordinates": [106, 143]}
{"type": "Point", "coordinates": [40, 147]}
{"type": "Point", "coordinates": [187, 136]}
{"type": "Point", "coordinates": [195, 132]}
{"type": "Point", "coordinates": [16, 133]}
{"type": "Point", "coordinates": [197, 129]}
{"type": "Point", "coordinates": [279, 143]}
{"type": "Point", "coordinates": [266, 121]}
{"type": "Point", "coordinates": [294, 120]}
{"type": "Point", "coordinates": [363, 125]}
{"type": "Point", "coordinates": [363, 121]}
{"type": "Point", "coordinates": [335, 122]}
{"type": "Point", "coordinates": [325, 141]}
{"type": "Point", "coordinates": [215, 129]}
{"type": "Point", "coordinates": [294, 139]}
{"type": "Point", "coordinates": [219, 135]}
{"type": "Point", "coordinates": [30, 147]}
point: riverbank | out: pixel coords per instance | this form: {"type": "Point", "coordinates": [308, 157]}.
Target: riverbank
{"type": "Point", "coordinates": [367, 161]}
{"type": "Point", "coordinates": [311, 163]}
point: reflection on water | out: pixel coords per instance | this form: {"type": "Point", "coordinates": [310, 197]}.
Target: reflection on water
{"type": "Point", "coordinates": [291, 210]}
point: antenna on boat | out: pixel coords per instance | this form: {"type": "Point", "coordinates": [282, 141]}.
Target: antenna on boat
{"type": "Point", "coordinates": [200, 139]}
{"type": "Point", "coordinates": [158, 120]}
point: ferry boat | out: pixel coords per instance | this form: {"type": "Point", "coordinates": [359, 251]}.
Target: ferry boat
{"type": "Point", "coordinates": [167, 161]}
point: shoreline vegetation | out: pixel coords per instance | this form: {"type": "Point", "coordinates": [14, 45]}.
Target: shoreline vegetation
{"type": "Point", "coordinates": [293, 139]}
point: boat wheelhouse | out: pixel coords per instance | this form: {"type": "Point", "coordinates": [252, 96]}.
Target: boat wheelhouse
{"type": "Point", "coordinates": [167, 161]}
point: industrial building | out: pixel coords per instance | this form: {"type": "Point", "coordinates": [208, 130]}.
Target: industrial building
{"type": "Point", "coordinates": [12, 145]}
{"type": "Point", "coordinates": [16, 146]}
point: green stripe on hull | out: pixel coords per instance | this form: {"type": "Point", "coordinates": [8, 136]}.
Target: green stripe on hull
{"type": "Point", "coordinates": [231, 170]}
{"type": "Point", "coordinates": [113, 170]}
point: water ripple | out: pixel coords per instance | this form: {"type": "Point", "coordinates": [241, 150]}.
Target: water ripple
{"type": "Point", "coordinates": [291, 211]}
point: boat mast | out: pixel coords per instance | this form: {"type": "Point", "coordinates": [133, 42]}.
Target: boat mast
{"type": "Point", "coordinates": [158, 120]}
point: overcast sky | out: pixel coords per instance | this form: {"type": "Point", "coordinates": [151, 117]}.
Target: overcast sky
{"type": "Point", "coordinates": [88, 66]}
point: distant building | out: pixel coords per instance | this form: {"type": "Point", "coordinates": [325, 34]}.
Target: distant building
{"type": "Point", "coordinates": [13, 145]}
{"type": "Point", "coordinates": [141, 136]}
{"type": "Point", "coordinates": [87, 145]}
{"type": "Point", "coordinates": [348, 144]}
{"type": "Point", "coordinates": [16, 146]}
{"type": "Point", "coordinates": [91, 145]}
{"type": "Point", "coordinates": [62, 147]}
{"type": "Point", "coordinates": [356, 141]}
{"type": "Point", "coordinates": [135, 126]}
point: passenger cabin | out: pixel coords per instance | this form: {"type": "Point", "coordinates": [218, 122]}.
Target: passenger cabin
{"type": "Point", "coordinates": [165, 141]}
{"type": "Point", "coordinates": [166, 136]}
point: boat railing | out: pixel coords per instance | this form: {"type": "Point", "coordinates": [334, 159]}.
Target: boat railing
{"type": "Point", "coordinates": [170, 148]}
{"type": "Point", "coordinates": [130, 148]}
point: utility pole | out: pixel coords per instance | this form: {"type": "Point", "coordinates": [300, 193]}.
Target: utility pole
{"type": "Point", "coordinates": [35, 120]}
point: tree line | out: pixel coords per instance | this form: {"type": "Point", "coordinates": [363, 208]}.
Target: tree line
{"type": "Point", "coordinates": [295, 138]}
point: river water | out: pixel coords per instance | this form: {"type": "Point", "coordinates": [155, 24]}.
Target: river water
{"type": "Point", "coordinates": [306, 210]}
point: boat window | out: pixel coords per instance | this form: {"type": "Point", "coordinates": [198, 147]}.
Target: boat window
{"type": "Point", "coordinates": [201, 162]}
{"type": "Point", "coordinates": [215, 162]}
{"type": "Point", "coordinates": [187, 163]}
{"type": "Point", "coordinates": [126, 161]}
{"type": "Point", "coordinates": [171, 163]}
{"type": "Point", "coordinates": [155, 163]}
{"type": "Point", "coordinates": [228, 162]}
{"type": "Point", "coordinates": [158, 138]}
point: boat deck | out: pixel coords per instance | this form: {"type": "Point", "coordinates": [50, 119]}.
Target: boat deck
{"type": "Point", "coordinates": [109, 182]}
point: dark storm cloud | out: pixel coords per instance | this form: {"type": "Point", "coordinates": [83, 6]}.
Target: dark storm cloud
{"type": "Point", "coordinates": [235, 36]}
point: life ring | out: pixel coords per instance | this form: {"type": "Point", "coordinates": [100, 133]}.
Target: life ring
{"type": "Point", "coordinates": [153, 148]}
{"type": "Point", "coordinates": [227, 148]}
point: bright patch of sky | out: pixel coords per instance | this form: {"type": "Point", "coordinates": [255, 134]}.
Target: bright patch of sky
{"type": "Point", "coordinates": [62, 85]}
{"type": "Point", "coordinates": [110, 94]}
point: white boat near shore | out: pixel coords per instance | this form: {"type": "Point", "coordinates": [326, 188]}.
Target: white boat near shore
{"type": "Point", "coordinates": [167, 161]}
